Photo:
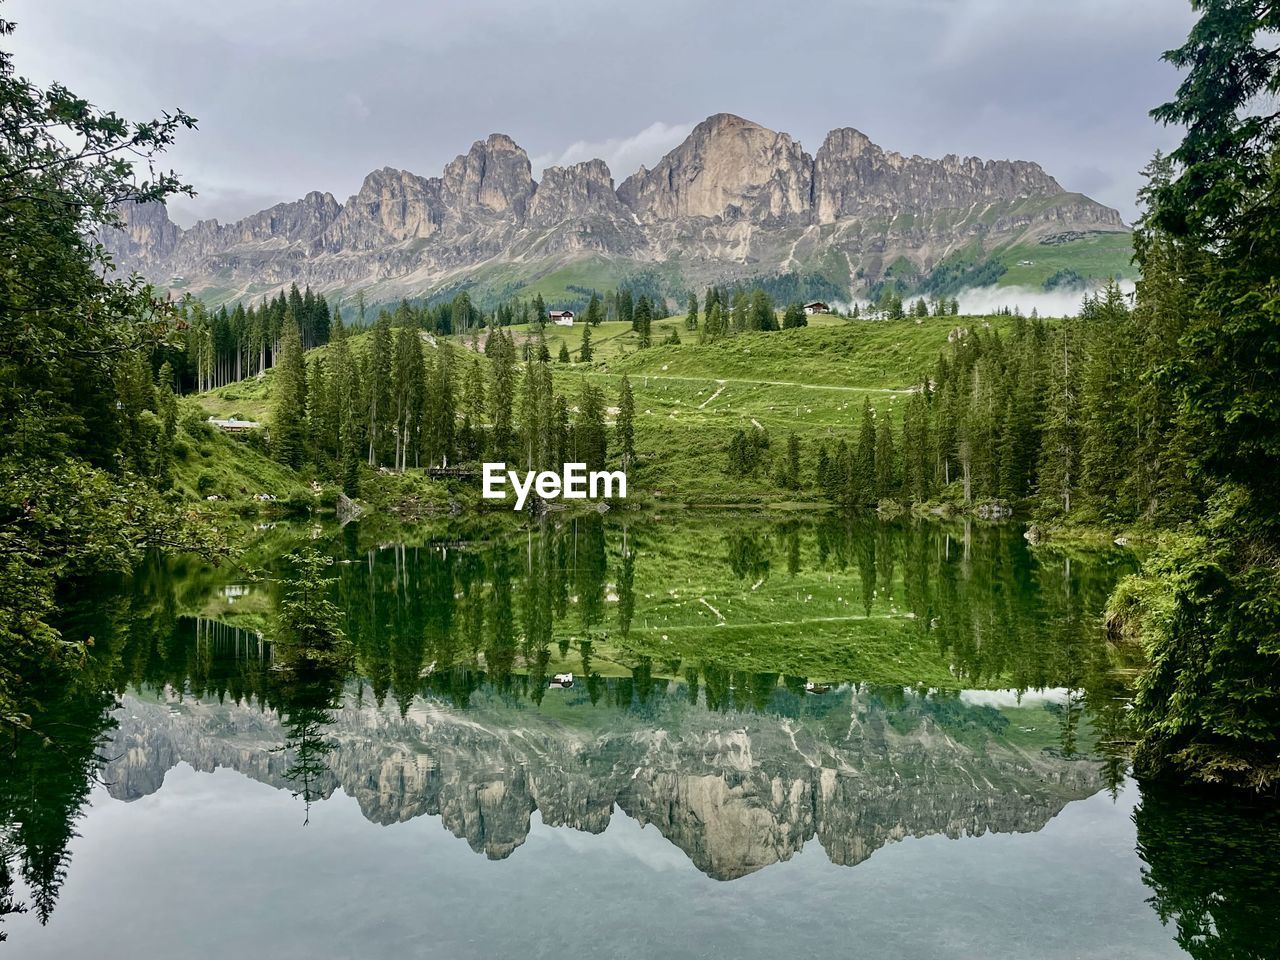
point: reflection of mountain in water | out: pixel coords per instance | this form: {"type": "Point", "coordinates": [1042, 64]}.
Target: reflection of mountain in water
{"type": "Point", "coordinates": [734, 791]}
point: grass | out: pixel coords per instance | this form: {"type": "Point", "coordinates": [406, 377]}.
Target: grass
{"type": "Point", "coordinates": [1099, 256]}
{"type": "Point", "coordinates": [692, 397]}
{"type": "Point", "coordinates": [208, 463]}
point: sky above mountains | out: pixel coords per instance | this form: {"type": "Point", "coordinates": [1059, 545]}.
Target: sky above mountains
{"type": "Point", "coordinates": [297, 95]}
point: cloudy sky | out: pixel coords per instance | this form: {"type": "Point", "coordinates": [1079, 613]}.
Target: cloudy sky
{"type": "Point", "coordinates": [295, 95]}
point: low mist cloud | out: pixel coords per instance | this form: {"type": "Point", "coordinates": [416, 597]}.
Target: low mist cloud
{"type": "Point", "coordinates": [1046, 303]}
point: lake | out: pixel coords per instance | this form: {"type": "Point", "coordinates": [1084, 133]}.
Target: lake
{"type": "Point", "coordinates": [899, 739]}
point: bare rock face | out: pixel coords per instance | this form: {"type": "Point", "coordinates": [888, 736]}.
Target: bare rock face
{"type": "Point", "coordinates": [582, 190]}
{"type": "Point", "coordinates": [147, 235]}
{"type": "Point", "coordinates": [854, 178]}
{"type": "Point", "coordinates": [493, 178]}
{"type": "Point", "coordinates": [302, 222]}
{"type": "Point", "coordinates": [734, 200]}
{"type": "Point", "coordinates": [391, 206]}
{"type": "Point", "coordinates": [575, 210]}
{"type": "Point", "coordinates": [727, 168]}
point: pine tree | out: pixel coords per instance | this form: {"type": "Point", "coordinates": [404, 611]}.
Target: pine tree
{"type": "Point", "coordinates": [534, 408]}
{"type": "Point", "coordinates": [1060, 450]}
{"type": "Point", "coordinates": [595, 312]}
{"type": "Point", "coordinates": [167, 407]}
{"type": "Point", "coordinates": [321, 416]}
{"type": "Point", "coordinates": [589, 439]}
{"type": "Point", "coordinates": [789, 475]}
{"type": "Point", "coordinates": [473, 434]}
{"type": "Point", "coordinates": [408, 394]}
{"type": "Point", "coordinates": [741, 311]}
{"type": "Point", "coordinates": [762, 316]}
{"type": "Point", "coordinates": [346, 401]}
{"type": "Point", "coordinates": [691, 316]}
{"type": "Point", "coordinates": [502, 390]}
{"type": "Point", "coordinates": [288, 421]}
{"type": "Point", "coordinates": [380, 414]}
{"type": "Point", "coordinates": [643, 321]}
{"type": "Point", "coordinates": [886, 463]}
{"type": "Point", "coordinates": [440, 414]}
{"type": "Point", "coordinates": [794, 317]}
{"type": "Point", "coordinates": [584, 351]}
{"type": "Point", "coordinates": [625, 427]}
{"type": "Point", "coordinates": [862, 465]}
{"type": "Point", "coordinates": [822, 470]}
{"type": "Point", "coordinates": [563, 356]}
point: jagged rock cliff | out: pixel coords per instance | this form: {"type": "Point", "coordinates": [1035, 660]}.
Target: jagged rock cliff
{"type": "Point", "coordinates": [734, 199]}
{"type": "Point", "coordinates": [735, 792]}
{"type": "Point", "coordinates": [727, 168]}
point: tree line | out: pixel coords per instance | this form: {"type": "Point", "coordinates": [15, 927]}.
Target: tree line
{"type": "Point", "coordinates": [411, 400]}
{"type": "Point", "coordinates": [1058, 417]}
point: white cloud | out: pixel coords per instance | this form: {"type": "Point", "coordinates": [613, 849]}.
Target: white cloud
{"type": "Point", "coordinates": [624, 155]}
{"type": "Point", "coordinates": [978, 301]}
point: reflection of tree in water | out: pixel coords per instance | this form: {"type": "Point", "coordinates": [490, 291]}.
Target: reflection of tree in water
{"type": "Point", "coordinates": [313, 658]}
{"type": "Point", "coordinates": [1210, 862]}
{"type": "Point", "coordinates": [49, 759]}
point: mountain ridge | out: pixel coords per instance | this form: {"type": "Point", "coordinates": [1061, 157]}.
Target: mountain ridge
{"type": "Point", "coordinates": [734, 200]}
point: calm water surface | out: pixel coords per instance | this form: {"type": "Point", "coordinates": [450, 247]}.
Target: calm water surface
{"type": "Point", "coordinates": [900, 740]}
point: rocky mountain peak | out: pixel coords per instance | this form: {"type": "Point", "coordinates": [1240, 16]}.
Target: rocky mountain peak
{"type": "Point", "coordinates": [580, 190]}
{"type": "Point", "coordinates": [727, 168]}
{"type": "Point", "coordinates": [494, 176]}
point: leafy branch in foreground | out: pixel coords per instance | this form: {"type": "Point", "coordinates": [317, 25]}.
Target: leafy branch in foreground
{"type": "Point", "coordinates": [72, 500]}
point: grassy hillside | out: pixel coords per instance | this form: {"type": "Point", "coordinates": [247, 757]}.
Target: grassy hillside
{"type": "Point", "coordinates": [235, 469]}
{"type": "Point", "coordinates": [691, 397]}
{"type": "Point", "coordinates": [1097, 257]}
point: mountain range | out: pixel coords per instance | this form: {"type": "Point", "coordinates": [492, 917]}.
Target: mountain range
{"type": "Point", "coordinates": [735, 792]}
{"type": "Point", "coordinates": [734, 201]}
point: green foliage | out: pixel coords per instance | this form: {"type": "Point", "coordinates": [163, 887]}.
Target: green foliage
{"type": "Point", "coordinates": [953, 276]}
{"type": "Point", "coordinates": [1063, 279]}
{"type": "Point", "coordinates": [625, 426]}
{"type": "Point", "coordinates": [1207, 606]}
{"type": "Point", "coordinates": [306, 629]}
{"type": "Point", "coordinates": [1209, 703]}
{"type": "Point", "coordinates": [84, 435]}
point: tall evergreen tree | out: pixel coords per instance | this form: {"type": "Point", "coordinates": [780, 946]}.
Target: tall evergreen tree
{"type": "Point", "coordinates": [381, 417]}
{"type": "Point", "coordinates": [625, 426]}
{"type": "Point", "coordinates": [289, 416]}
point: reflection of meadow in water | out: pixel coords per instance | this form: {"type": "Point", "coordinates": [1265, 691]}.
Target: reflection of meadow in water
{"type": "Point", "coordinates": [750, 689]}
{"type": "Point", "coordinates": [839, 600]}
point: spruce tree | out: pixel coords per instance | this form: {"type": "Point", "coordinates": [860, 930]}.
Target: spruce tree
{"type": "Point", "coordinates": [643, 321]}
{"type": "Point", "coordinates": [288, 421]}
{"type": "Point", "coordinates": [794, 317]}
{"type": "Point", "coordinates": [862, 465]}
{"type": "Point", "coordinates": [625, 426]}
{"type": "Point", "coordinates": [589, 439]}
{"type": "Point", "coordinates": [380, 414]}
{"type": "Point", "coordinates": [886, 463]}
